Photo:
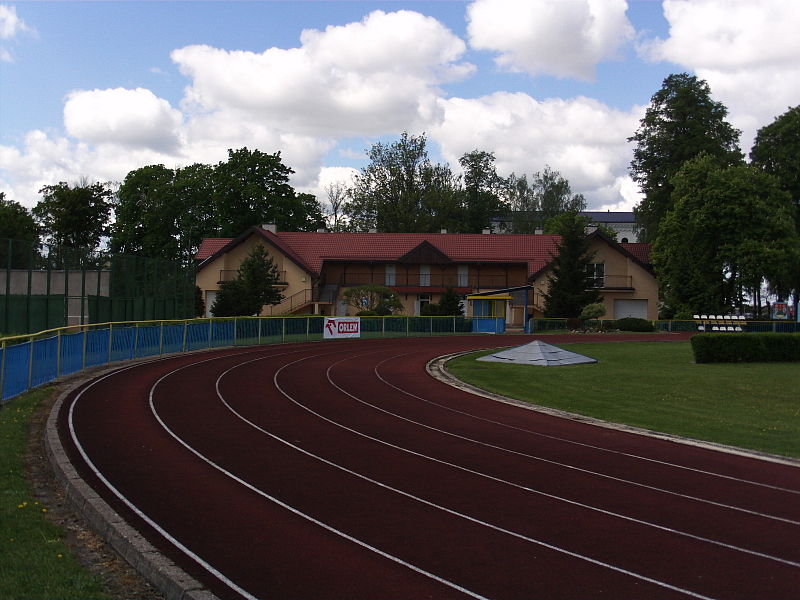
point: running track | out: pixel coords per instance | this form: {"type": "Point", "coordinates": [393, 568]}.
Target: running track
{"type": "Point", "coordinates": [342, 470]}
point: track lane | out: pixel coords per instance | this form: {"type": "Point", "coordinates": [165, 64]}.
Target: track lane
{"type": "Point", "coordinates": [188, 397]}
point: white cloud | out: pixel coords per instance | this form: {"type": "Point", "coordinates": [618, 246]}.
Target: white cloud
{"type": "Point", "coordinates": [746, 51]}
{"type": "Point", "coordinates": [10, 23]}
{"type": "Point", "coordinates": [565, 39]}
{"type": "Point", "coordinates": [364, 78]}
{"type": "Point", "coordinates": [581, 138]}
{"type": "Point", "coordinates": [10, 26]}
{"type": "Point", "coordinates": [134, 118]}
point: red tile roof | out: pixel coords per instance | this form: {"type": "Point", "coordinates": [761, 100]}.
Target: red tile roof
{"type": "Point", "coordinates": [311, 250]}
{"type": "Point", "coordinates": [639, 250]}
{"type": "Point", "coordinates": [210, 246]}
{"type": "Point", "coordinates": [316, 248]}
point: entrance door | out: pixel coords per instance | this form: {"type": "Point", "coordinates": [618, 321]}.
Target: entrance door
{"type": "Point", "coordinates": [211, 295]}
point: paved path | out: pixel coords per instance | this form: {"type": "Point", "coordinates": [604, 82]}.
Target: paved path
{"type": "Point", "coordinates": [342, 470]}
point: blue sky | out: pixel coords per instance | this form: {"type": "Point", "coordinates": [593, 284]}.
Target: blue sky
{"type": "Point", "coordinates": [96, 89]}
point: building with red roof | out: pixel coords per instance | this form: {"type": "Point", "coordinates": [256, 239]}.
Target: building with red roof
{"type": "Point", "coordinates": [316, 268]}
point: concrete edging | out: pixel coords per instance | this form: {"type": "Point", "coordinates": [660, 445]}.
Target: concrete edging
{"type": "Point", "coordinates": [169, 579]}
{"type": "Point", "coordinates": [437, 369]}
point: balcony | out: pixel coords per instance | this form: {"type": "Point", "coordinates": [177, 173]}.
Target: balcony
{"type": "Point", "coordinates": [472, 281]}
{"type": "Point", "coordinates": [610, 283]}
{"type": "Point", "coordinates": [231, 274]}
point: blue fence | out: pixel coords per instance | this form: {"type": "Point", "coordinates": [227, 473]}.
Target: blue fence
{"type": "Point", "coordinates": [30, 361]}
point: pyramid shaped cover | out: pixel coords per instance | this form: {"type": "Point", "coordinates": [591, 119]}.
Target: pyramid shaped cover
{"type": "Point", "coordinates": [538, 353]}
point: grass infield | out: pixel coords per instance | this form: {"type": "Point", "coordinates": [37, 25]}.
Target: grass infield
{"type": "Point", "coordinates": [36, 562]}
{"type": "Point", "coordinates": [656, 385]}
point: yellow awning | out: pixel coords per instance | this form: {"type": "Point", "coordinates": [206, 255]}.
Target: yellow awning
{"type": "Point", "coordinates": [496, 297]}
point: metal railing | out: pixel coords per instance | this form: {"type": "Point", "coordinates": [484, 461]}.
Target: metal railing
{"type": "Point", "coordinates": [441, 280]}
{"type": "Point", "coordinates": [29, 361]}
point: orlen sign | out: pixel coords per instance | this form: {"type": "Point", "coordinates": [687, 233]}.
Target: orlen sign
{"type": "Point", "coordinates": [341, 327]}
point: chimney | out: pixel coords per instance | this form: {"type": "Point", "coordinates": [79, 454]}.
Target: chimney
{"type": "Point", "coordinates": [322, 230]}
{"type": "Point", "coordinates": [538, 231]}
{"type": "Point", "coordinates": [590, 229]}
{"type": "Point", "coordinates": [373, 230]}
{"type": "Point", "coordinates": [271, 227]}
{"type": "Point", "coordinates": [443, 231]}
{"type": "Point", "coordinates": [486, 231]}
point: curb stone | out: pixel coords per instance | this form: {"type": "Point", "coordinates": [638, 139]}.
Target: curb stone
{"type": "Point", "coordinates": [169, 579]}
{"type": "Point", "coordinates": [437, 368]}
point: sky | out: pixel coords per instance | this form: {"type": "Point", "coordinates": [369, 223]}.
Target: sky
{"type": "Point", "coordinates": [91, 90]}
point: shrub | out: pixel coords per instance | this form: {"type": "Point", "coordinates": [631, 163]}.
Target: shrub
{"type": "Point", "coordinates": [750, 347]}
{"type": "Point", "coordinates": [633, 324]}
{"type": "Point", "coordinates": [593, 311]}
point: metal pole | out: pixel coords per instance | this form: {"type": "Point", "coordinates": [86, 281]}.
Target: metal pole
{"type": "Point", "coordinates": [7, 310]}
{"type": "Point", "coordinates": [30, 363]}
{"type": "Point", "coordinates": [30, 291]}
{"type": "Point", "coordinates": [58, 357]}
{"type": "Point", "coordinates": [260, 321]}
{"type": "Point", "coordinates": [110, 340]}
{"type": "Point", "coordinates": [209, 333]}
{"type": "Point", "coordinates": [185, 332]}
{"type": "Point", "coordinates": [85, 335]}
{"type": "Point", "coordinates": [2, 370]}
{"type": "Point", "coordinates": [161, 339]}
{"type": "Point", "coordinates": [136, 341]}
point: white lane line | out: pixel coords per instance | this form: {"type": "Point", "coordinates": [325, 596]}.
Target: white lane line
{"type": "Point", "coordinates": [290, 508]}
{"type": "Point", "coordinates": [503, 481]}
{"type": "Point", "coordinates": [163, 532]}
{"type": "Point", "coordinates": [568, 441]}
{"type": "Point", "coordinates": [432, 504]}
{"type": "Point", "coordinates": [564, 465]}
{"type": "Point", "coordinates": [510, 483]}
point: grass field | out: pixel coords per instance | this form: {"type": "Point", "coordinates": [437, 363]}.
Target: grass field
{"type": "Point", "coordinates": [657, 386]}
{"type": "Point", "coordinates": [35, 562]}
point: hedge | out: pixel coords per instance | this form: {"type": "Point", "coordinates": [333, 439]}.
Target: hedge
{"type": "Point", "coordinates": [633, 324]}
{"type": "Point", "coordinates": [746, 347]}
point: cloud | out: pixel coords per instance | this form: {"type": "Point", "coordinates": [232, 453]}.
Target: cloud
{"type": "Point", "coordinates": [380, 74]}
{"type": "Point", "coordinates": [10, 26]}
{"type": "Point", "coordinates": [746, 51]}
{"type": "Point", "coordinates": [582, 138]}
{"type": "Point", "coordinates": [10, 23]}
{"type": "Point", "coordinates": [135, 118]}
{"type": "Point", "coordinates": [565, 39]}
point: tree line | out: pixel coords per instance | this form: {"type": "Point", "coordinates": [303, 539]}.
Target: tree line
{"type": "Point", "coordinates": [722, 229]}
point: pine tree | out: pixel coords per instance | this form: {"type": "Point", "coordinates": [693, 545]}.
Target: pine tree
{"type": "Point", "coordinates": [570, 289]}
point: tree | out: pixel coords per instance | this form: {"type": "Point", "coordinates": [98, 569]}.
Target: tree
{"type": "Point", "coordinates": [336, 193]}
{"type": "Point", "coordinates": [777, 151]}
{"type": "Point", "coordinates": [681, 122]}
{"type": "Point", "coordinates": [148, 214]}
{"type": "Point", "coordinates": [729, 229]}
{"type": "Point", "coordinates": [401, 191]}
{"type": "Point", "coordinates": [17, 225]}
{"type": "Point", "coordinates": [534, 203]}
{"type": "Point", "coordinates": [253, 287]}
{"type": "Point", "coordinates": [373, 299]}
{"type": "Point", "coordinates": [482, 191]}
{"type": "Point", "coordinates": [252, 188]}
{"type": "Point", "coordinates": [570, 289]}
{"type": "Point", "coordinates": [450, 304]}
{"type": "Point", "coordinates": [74, 216]}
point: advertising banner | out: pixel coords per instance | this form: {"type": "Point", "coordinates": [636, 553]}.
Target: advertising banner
{"type": "Point", "coordinates": [341, 327]}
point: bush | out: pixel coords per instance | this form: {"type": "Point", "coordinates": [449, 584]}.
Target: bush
{"type": "Point", "coordinates": [593, 311]}
{"type": "Point", "coordinates": [749, 347]}
{"type": "Point", "coordinates": [633, 324]}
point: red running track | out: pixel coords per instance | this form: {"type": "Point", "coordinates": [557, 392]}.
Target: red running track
{"type": "Point", "coordinates": [342, 470]}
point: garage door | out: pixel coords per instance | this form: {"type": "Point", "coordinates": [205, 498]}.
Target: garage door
{"type": "Point", "coordinates": [630, 308]}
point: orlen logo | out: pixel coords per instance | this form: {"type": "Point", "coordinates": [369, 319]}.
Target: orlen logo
{"type": "Point", "coordinates": [347, 327]}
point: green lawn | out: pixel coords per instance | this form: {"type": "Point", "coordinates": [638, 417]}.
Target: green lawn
{"type": "Point", "coordinates": [35, 563]}
{"type": "Point", "coordinates": [656, 385]}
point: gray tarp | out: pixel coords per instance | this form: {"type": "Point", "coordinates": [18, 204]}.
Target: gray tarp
{"type": "Point", "coordinates": [538, 353]}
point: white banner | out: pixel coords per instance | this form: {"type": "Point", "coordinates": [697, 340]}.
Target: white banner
{"type": "Point", "coordinates": [341, 327]}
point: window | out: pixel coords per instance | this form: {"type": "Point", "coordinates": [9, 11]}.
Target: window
{"type": "Point", "coordinates": [463, 275]}
{"type": "Point", "coordinates": [390, 275]}
{"type": "Point", "coordinates": [425, 275]}
{"type": "Point", "coordinates": [596, 273]}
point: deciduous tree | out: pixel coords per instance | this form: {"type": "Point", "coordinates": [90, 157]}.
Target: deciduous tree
{"type": "Point", "coordinates": [18, 234]}
{"type": "Point", "coordinates": [76, 216]}
{"type": "Point", "coordinates": [681, 122]}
